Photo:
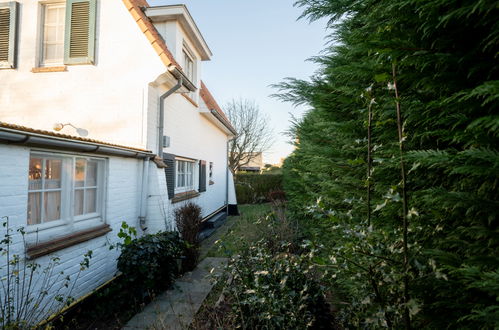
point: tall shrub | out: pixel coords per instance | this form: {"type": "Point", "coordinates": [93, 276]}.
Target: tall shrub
{"type": "Point", "coordinates": [434, 63]}
{"type": "Point", "coordinates": [188, 219]}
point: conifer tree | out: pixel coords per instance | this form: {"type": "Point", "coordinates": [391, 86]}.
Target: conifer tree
{"type": "Point", "coordinates": [444, 58]}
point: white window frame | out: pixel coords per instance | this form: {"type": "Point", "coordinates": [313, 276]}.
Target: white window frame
{"type": "Point", "coordinates": [189, 59]}
{"type": "Point", "coordinates": [69, 222]}
{"type": "Point", "coordinates": [191, 72]}
{"type": "Point", "coordinates": [42, 26]}
{"type": "Point", "coordinates": [188, 174]}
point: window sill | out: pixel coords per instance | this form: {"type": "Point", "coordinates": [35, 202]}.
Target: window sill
{"type": "Point", "coordinates": [50, 69]}
{"type": "Point", "coordinates": [190, 100]}
{"type": "Point", "coordinates": [184, 196]}
{"type": "Point", "coordinates": [41, 249]}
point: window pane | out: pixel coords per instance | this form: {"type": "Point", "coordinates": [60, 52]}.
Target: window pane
{"type": "Point", "coordinates": [80, 172]}
{"type": "Point", "coordinates": [51, 34]}
{"type": "Point", "coordinates": [90, 200]}
{"type": "Point", "coordinates": [50, 53]}
{"type": "Point", "coordinates": [34, 208]}
{"type": "Point", "coordinates": [35, 173]}
{"type": "Point", "coordinates": [91, 173]}
{"type": "Point", "coordinates": [50, 15]}
{"type": "Point", "coordinates": [79, 202]}
{"type": "Point", "coordinates": [52, 205]}
{"type": "Point", "coordinates": [53, 168]}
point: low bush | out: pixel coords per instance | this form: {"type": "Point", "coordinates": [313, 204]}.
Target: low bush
{"type": "Point", "coordinates": [277, 291]}
{"type": "Point", "coordinates": [149, 263]}
{"type": "Point", "coordinates": [255, 188]}
{"type": "Point", "coordinates": [188, 219]}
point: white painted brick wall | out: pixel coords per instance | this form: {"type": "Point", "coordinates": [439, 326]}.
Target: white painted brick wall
{"type": "Point", "coordinates": [123, 191]}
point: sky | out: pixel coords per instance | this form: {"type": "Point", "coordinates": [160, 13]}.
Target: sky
{"type": "Point", "coordinates": [256, 43]}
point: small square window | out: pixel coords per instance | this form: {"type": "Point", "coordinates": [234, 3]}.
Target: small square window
{"type": "Point", "coordinates": [185, 176]}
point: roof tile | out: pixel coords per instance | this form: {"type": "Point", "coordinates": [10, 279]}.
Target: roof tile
{"type": "Point", "coordinates": [148, 28]}
{"type": "Point", "coordinates": [211, 103]}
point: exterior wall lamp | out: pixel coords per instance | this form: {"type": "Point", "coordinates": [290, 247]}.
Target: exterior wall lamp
{"type": "Point", "coordinates": [80, 131]}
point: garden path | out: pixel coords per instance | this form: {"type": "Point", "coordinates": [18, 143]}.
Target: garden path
{"type": "Point", "coordinates": [176, 308]}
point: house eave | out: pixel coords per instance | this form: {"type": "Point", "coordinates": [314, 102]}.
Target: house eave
{"type": "Point", "coordinates": [217, 120]}
{"type": "Point", "coordinates": [15, 136]}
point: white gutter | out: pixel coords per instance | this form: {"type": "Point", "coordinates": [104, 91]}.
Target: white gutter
{"type": "Point", "coordinates": [14, 136]}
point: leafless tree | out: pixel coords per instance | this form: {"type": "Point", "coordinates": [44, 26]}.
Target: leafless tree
{"type": "Point", "coordinates": [254, 135]}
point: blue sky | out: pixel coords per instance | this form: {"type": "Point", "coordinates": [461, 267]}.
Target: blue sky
{"type": "Point", "coordinates": [256, 43]}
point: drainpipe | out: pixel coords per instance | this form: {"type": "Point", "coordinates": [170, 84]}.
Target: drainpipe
{"type": "Point", "coordinates": [162, 114]}
{"type": "Point", "coordinates": [143, 194]}
{"type": "Point", "coordinates": [227, 178]}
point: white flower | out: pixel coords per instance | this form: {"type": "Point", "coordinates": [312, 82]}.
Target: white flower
{"type": "Point", "coordinates": [262, 272]}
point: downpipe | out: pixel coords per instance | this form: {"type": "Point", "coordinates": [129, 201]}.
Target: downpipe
{"type": "Point", "coordinates": [162, 98]}
{"type": "Point", "coordinates": [144, 194]}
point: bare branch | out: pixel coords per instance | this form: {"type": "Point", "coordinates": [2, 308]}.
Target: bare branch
{"type": "Point", "coordinates": [254, 135]}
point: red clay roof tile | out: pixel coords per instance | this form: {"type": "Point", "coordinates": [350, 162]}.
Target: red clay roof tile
{"type": "Point", "coordinates": [211, 103]}
{"type": "Point", "coordinates": [148, 28]}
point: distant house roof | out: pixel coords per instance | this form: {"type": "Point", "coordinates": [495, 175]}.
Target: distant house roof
{"type": "Point", "coordinates": [135, 7]}
{"type": "Point", "coordinates": [13, 129]}
{"type": "Point", "coordinates": [213, 105]}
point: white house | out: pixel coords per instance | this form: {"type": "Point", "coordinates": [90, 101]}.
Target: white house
{"type": "Point", "coordinates": [103, 119]}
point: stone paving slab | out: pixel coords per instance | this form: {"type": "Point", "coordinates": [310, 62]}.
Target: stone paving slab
{"type": "Point", "coordinates": [176, 308]}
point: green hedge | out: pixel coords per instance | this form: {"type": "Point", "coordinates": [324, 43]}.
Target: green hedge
{"type": "Point", "coordinates": [254, 188]}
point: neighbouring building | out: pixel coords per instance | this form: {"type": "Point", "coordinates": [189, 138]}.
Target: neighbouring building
{"type": "Point", "coordinates": [104, 119]}
{"type": "Point", "coordinates": [255, 163]}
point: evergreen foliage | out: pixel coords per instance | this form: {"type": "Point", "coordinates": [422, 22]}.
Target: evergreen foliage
{"type": "Point", "coordinates": [441, 57]}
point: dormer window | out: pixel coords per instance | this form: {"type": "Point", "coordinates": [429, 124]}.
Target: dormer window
{"type": "Point", "coordinates": [189, 65]}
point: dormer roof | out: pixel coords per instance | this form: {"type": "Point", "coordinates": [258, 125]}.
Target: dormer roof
{"type": "Point", "coordinates": [136, 9]}
{"type": "Point", "coordinates": [181, 14]}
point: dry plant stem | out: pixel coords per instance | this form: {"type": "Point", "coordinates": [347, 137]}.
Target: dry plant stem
{"type": "Point", "coordinates": [379, 297]}
{"type": "Point", "coordinates": [407, 319]}
{"type": "Point", "coordinates": [369, 162]}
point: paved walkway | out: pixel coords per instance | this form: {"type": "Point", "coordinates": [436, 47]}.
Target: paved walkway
{"type": "Point", "coordinates": [176, 308]}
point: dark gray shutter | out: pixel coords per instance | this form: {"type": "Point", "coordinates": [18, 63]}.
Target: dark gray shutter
{"type": "Point", "coordinates": [170, 172]}
{"type": "Point", "coordinates": [8, 34]}
{"type": "Point", "coordinates": [79, 40]}
{"type": "Point", "coordinates": [202, 175]}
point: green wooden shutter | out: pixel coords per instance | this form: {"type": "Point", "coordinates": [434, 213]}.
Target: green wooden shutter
{"type": "Point", "coordinates": [170, 172]}
{"type": "Point", "coordinates": [8, 34]}
{"type": "Point", "coordinates": [79, 39]}
{"type": "Point", "coordinates": [202, 175]}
